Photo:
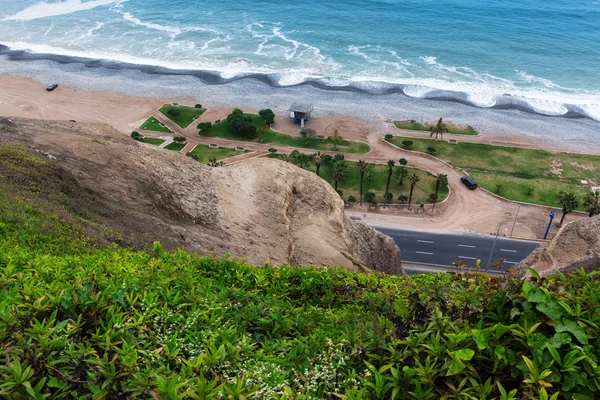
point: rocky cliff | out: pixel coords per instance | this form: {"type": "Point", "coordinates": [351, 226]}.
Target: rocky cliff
{"type": "Point", "coordinates": [576, 245]}
{"type": "Point", "coordinates": [262, 210]}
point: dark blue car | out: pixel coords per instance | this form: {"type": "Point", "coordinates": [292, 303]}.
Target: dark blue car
{"type": "Point", "coordinates": [469, 182]}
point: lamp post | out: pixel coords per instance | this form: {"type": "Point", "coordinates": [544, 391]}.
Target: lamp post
{"type": "Point", "coordinates": [549, 224]}
{"type": "Point", "coordinates": [515, 221]}
{"type": "Point", "coordinates": [487, 267]}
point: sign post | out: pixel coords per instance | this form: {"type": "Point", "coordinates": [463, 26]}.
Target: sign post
{"type": "Point", "coordinates": [549, 224]}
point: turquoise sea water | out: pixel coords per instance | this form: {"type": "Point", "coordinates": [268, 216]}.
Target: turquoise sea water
{"type": "Point", "coordinates": [543, 56]}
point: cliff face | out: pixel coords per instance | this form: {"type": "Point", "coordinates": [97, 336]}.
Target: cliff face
{"type": "Point", "coordinates": [576, 245]}
{"type": "Point", "coordinates": [261, 210]}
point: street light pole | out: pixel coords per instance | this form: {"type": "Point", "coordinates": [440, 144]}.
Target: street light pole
{"type": "Point", "coordinates": [487, 267]}
{"type": "Point", "coordinates": [515, 221]}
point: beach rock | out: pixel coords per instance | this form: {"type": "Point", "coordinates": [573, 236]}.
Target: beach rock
{"type": "Point", "coordinates": [263, 210]}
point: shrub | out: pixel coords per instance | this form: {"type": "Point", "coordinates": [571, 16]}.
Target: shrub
{"type": "Point", "coordinates": [402, 198]}
{"type": "Point", "coordinates": [179, 139]}
{"type": "Point", "coordinates": [204, 126]}
{"type": "Point", "coordinates": [403, 161]}
{"type": "Point", "coordinates": [340, 193]}
{"type": "Point", "coordinates": [198, 106]}
{"type": "Point", "coordinates": [241, 124]}
{"type": "Point", "coordinates": [173, 112]}
{"type": "Point", "coordinates": [407, 143]}
{"type": "Point", "coordinates": [308, 133]}
{"type": "Point", "coordinates": [388, 136]}
{"type": "Point", "coordinates": [374, 204]}
{"type": "Point", "coordinates": [351, 199]}
{"type": "Point", "coordinates": [433, 197]}
{"type": "Point", "coordinates": [389, 196]}
{"type": "Point", "coordinates": [136, 136]}
{"type": "Point", "coordinates": [267, 115]}
{"type": "Point", "coordinates": [338, 157]}
{"type": "Point", "coordinates": [431, 149]}
{"type": "Point", "coordinates": [272, 150]}
{"type": "Point", "coordinates": [370, 197]}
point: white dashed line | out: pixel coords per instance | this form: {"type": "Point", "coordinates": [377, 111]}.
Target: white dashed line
{"type": "Point", "coordinates": [425, 241]}
{"type": "Point", "coordinates": [466, 245]}
{"type": "Point", "coordinates": [508, 250]}
{"type": "Point", "coordinates": [424, 252]}
{"type": "Point", "coordinates": [467, 258]}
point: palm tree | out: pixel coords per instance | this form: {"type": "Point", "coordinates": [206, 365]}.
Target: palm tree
{"type": "Point", "coordinates": [362, 166]}
{"type": "Point", "coordinates": [318, 159]}
{"type": "Point", "coordinates": [414, 179]}
{"type": "Point", "coordinates": [438, 129]}
{"type": "Point", "coordinates": [390, 164]}
{"type": "Point", "coordinates": [340, 168]}
{"type": "Point", "coordinates": [335, 139]}
{"type": "Point", "coordinates": [442, 180]}
{"type": "Point", "coordinates": [401, 173]}
{"type": "Point", "coordinates": [300, 159]}
{"type": "Point", "coordinates": [568, 202]}
{"type": "Point", "coordinates": [592, 203]}
{"type": "Point", "coordinates": [262, 131]}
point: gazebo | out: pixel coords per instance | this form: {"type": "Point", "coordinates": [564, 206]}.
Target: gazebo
{"type": "Point", "coordinates": [300, 112]}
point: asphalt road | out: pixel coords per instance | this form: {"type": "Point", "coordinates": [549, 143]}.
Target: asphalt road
{"type": "Point", "coordinates": [438, 249]}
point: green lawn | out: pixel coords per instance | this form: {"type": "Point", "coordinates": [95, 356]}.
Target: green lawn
{"type": "Point", "coordinates": [186, 116]}
{"type": "Point", "coordinates": [203, 153]}
{"type": "Point", "coordinates": [222, 130]}
{"type": "Point", "coordinates": [416, 126]}
{"type": "Point", "coordinates": [517, 169]}
{"type": "Point", "coordinates": [351, 185]}
{"type": "Point", "coordinates": [154, 141]}
{"type": "Point", "coordinates": [175, 146]}
{"type": "Point", "coordinates": [152, 124]}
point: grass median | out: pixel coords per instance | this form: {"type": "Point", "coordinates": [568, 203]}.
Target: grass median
{"type": "Point", "coordinates": [152, 124]}
{"type": "Point", "coordinates": [183, 116]}
{"type": "Point", "coordinates": [204, 153]}
{"type": "Point", "coordinates": [417, 126]}
{"type": "Point", "coordinates": [528, 175]}
{"type": "Point", "coordinates": [223, 130]}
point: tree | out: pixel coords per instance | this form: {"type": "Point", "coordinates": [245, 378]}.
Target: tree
{"type": "Point", "coordinates": [390, 165]}
{"type": "Point", "coordinates": [407, 143]}
{"type": "Point", "coordinates": [403, 161]}
{"type": "Point", "coordinates": [442, 180]}
{"type": "Point", "coordinates": [438, 129]}
{"type": "Point", "coordinates": [362, 166]}
{"type": "Point", "coordinates": [402, 198]}
{"type": "Point", "coordinates": [179, 139]}
{"type": "Point", "coordinates": [204, 126]}
{"type": "Point", "coordinates": [173, 112]}
{"type": "Point", "coordinates": [268, 116]}
{"type": "Point", "coordinates": [401, 173]}
{"type": "Point", "coordinates": [592, 203]}
{"type": "Point", "coordinates": [318, 158]}
{"type": "Point", "coordinates": [198, 106]}
{"type": "Point", "coordinates": [568, 202]}
{"type": "Point", "coordinates": [498, 187]}
{"type": "Point", "coordinates": [336, 139]}
{"type": "Point", "coordinates": [241, 124]}
{"type": "Point", "coordinates": [340, 168]}
{"type": "Point", "coordinates": [262, 131]}
{"type": "Point", "coordinates": [300, 159]}
{"type": "Point", "coordinates": [414, 179]}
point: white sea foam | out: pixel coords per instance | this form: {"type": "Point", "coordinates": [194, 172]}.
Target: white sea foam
{"type": "Point", "coordinates": [169, 29]}
{"type": "Point", "coordinates": [91, 31]}
{"type": "Point", "coordinates": [44, 9]}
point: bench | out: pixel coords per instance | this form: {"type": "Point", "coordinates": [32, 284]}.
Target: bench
{"type": "Point", "coordinates": [213, 146]}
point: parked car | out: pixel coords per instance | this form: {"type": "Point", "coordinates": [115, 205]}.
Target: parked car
{"type": "Point", "coordinates": [51, 87]}
{"type": "Point", "coordinates": [469, 182]}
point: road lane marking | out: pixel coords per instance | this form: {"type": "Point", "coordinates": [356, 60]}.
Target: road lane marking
{"type": "Point", "coordinates": [468, 258]}
{"type": "Point", "coordinates": [424, 252]}
{"type": "Point", "coordinates": [466, 245]}
{"type": "Point", "coordinates": [424, 241]}
{"type": "Point", "coordinates": [508, 250]}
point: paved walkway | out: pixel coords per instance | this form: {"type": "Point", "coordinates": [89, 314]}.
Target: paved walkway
{"type": "Point", "coordinates": [464, 210]}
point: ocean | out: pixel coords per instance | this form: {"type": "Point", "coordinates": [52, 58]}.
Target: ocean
{"type": "Point", "coordinates": [538, 57]}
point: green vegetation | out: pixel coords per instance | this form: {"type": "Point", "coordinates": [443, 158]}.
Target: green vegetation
{"type": "Point", "coordinates": [517, 170]}
{"type": "Point", "coordinates": [222, 129]}
{"type": "Point", "coordinates": [152, 124]}
{"type": "Point", "coordinates": [79, 320]}
{"type": "Point", "coordinates": [204, 154]}
{"type": "Point", "coordinates": [375, 180]}
{"type": "Point", "coordinates": [154, 141]}
{"type": "Point", "coordinates": [183, 116]}
{"type": "Point", "coordinates": [416, 126]}
{"type": "Point", "coordinates": [175, 146]}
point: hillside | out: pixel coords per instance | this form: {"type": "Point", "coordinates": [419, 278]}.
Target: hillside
{"type": "Point", "coordinates": [263, 210]}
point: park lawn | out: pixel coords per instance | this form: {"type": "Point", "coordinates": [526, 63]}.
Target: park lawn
{"type": "Point", "coordinates": [152, 124]}
{"type": "Point", "coordinates": [416, 126]}
{"type": "Point", "coordinates": [203, 153]}
{"type": "Point", "coordinates": [517, 169]}
{"type": "Point", "coordinates": [154, 141]}
{"type": "Point", "coordinates": [186, 116]}
{"type": "Point", "coordinates": [351, 185]}
{"type": "Point", "coordinates": [222, 130]}
{"type": "Point", "coordinates": [175, 146]}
